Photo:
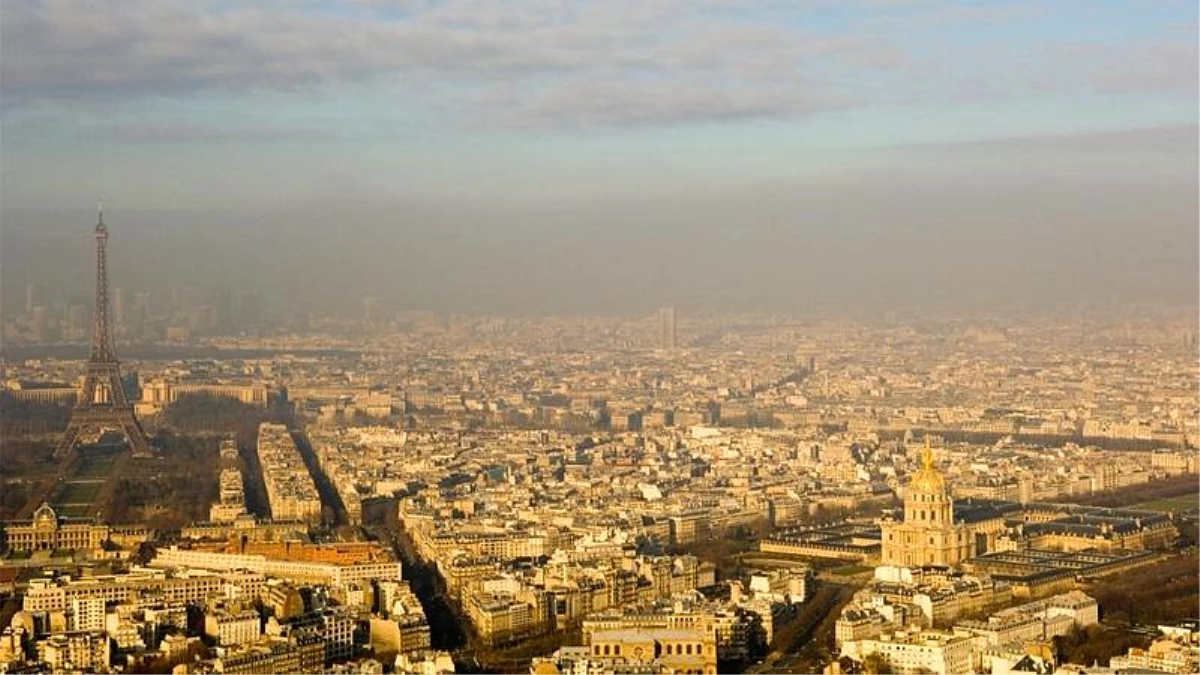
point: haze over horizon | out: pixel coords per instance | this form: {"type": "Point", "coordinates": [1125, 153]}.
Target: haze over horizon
{"type": "Point", "coordinates": [562, 159]}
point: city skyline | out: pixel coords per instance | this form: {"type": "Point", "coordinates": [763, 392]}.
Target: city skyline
{"type": "Point", "coordinates": [647, 336]}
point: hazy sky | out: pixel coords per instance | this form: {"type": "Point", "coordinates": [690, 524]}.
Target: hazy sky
{"type": "Point", "coordinates": [546, 156]}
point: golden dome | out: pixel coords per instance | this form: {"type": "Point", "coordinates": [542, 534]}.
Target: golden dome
{"type": "Point", "coordinates": [928, 479]}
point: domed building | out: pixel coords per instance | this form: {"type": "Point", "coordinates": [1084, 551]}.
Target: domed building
{"type": "Point", "coordinates": [47, 532]}
{"type": "Point", "coordinates": [928, 535]}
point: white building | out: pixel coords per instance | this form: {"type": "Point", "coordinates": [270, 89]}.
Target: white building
{"type": "Point", "coordinates": [922, 651]}
{"type": "Point", "coordinates": [87, 614]}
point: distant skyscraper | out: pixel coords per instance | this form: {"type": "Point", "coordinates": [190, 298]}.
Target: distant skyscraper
{"type": "Point", "coordinates": [203, 319]}
{"type": "Point", "coordinates": [370, 306]}
{"type": "Point", "coordinates": [77, 322]}
{"type": "Point", "coordinates": [246, 310]}
{"type": "Point", "coordinates": [140, 312]}
{"type": "Point", "coordinates": [39, 323]}
{"type": "Point", "coordinates": [32, 298]}
{"type": "Point", "coordinates": [225, 323]}
{"type": "Point", "coordinates": [666, 316]}
{"type": "Point", "coordinates": [183, 298]}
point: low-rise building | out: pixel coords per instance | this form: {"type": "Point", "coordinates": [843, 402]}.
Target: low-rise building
{"type": "Point", "coordinates": [918, 652]}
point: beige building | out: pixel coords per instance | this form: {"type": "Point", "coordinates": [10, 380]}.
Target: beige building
{"type": "Point", "coordinates": [158, 394]}
{"type": "Point", "coordinates": [59, 594]}
{"type": "Point", "coordinates": [82, 651]}
{"type": "Point", "coordinates": [499, 618]}
{"type": "Point", "coordinates": [55, 395]}
{"type": "Point", "coordinates": [1163, 656]}
{"type": "Point", "coordinates": [920, 652]}
{"type": "Point", "coordinates": [641, 650]}
{"type": "Point", "coordinates": [291, 493]}
{"type": "Point", "coordinates": [682, 650]}
{"type": "Point", "coordinates": [87, 614]}
{"type": "Point", "coordinates": [270, 655]}
{"type": "Point", "coordinates": [928, 535]}
{"type": "Point", "coordinates": [232, 625]}
{"type": "Point", "coordinates": [47, 532]}
{"type": "Point", "coordinates": [301, 571]}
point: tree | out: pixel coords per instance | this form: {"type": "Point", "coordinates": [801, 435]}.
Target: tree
{"type": "Point", "coordinates": [876, 664]}
{"type": "Point", "coordinates": [204, 412]}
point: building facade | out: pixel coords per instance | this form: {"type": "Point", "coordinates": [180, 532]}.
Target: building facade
{"type": "Point", "coordinates": [47, 532]}
{"type": "Point", "coordinates": [928, 535]}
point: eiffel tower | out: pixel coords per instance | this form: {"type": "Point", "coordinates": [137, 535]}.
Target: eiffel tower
{"type": "Point", "coordinates": [102, 404]}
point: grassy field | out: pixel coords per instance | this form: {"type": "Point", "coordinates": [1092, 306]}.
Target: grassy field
{"type": "Point", "coordinates": [75, 500]}
{"type": "Point", "coordinates": [77, 493]}
{"type": "Point", "coordinates": [1180, 503]}
{"type": "Point", "coordinates": [75, 511]}
{"type": "Point", "coordinates": [94, 466]}
{"type": "Point", "coordinates": [81, 486]}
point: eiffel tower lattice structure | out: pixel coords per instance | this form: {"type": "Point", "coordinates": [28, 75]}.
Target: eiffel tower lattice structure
{"type": "Point", "coordinates": [102, 404]}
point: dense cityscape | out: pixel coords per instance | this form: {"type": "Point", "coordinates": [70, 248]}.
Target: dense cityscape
{"type": "Point", "coordinates": [633, 337]}
{"type": "Point", "coordinates": [413, 492]}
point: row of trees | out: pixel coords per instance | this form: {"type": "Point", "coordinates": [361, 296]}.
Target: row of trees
{"type": "Point", "coordinates": [201, 413]}
{"type": "Point", "coordinates": [1165, 592]}
{"type": "Point", "coordinates": [21, 419]}
{"type": "Point", "coordinates": [170, 491]}
{"type": "Point", "coordinates": [1096, 644]}
{"type": "Point", "coordinates": [1174, 486]}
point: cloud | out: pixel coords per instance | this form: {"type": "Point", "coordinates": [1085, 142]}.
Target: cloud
{"type": "Point", "coordinates": [556, 63]}
{"type": "Point", "coordinates": [1168, 67]}
{"type": "Point", "coordinates": [166, 132]}
{"type": "Point", "coordinates": [597, 103]}
{"type": "Point", "coordinates": [594, 61]}
{"type": "Point", "coordinates": [1176, 139]}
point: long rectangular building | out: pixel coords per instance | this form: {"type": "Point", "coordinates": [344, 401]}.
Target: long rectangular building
{"type": "Point", "coordinates": [291, 493]}
{"type": "Point", "coordinates": [50, 595]}
{"type": "Point", "coordinates": [293, 570]}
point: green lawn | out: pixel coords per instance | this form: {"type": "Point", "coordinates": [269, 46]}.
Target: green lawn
{"type": "Point", "coordinates": [95, 466]}
{"type": "Point", "coordinates": [78, 493]}
{"type": "Point", "coordinates": [72, 511]}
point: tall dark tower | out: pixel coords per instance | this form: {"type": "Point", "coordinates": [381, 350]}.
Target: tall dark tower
{"type": "Point", "coordinates": [102, 404]}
